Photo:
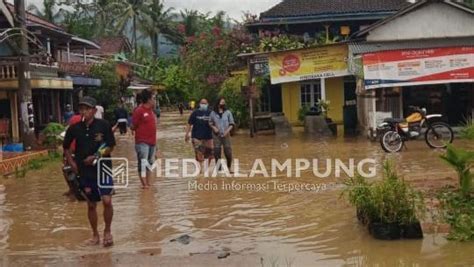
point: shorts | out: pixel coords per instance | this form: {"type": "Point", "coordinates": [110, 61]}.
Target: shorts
{"type": "Point", "coordinates": [96, 192]}
{"type": "Point", "coordinates": [144, 152]}
{"type": "Point", "coordinates": [204, 149]}
{"type": "Point", "coordinates": [101, 183]}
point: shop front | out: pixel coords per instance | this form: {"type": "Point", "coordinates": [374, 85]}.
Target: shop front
{"type": "Point", "coordinates": [438, 79]}
{"type": "Point", "coordinates": [308, 76]}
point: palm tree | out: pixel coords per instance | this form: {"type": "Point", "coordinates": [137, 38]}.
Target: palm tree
{"type": "Point", "coordinates": [47, 11]}
{"type": "Point", "coordinates": [129, 10]}
{"type": "Point", "coordinates": [100, 14]}
{"type": "Point", "coordinates": [156, 20]}
{"type": "Point", "coordinates": [192, 21]}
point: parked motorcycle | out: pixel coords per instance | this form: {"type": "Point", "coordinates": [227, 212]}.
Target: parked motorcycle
{"type": "Point", "coordinates": [395, 132]}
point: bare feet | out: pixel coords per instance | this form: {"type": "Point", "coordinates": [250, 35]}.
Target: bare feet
{"type": "Point", "coordinates": [94, 241]}
{"type": "Point", "coordinates": [108, 240]}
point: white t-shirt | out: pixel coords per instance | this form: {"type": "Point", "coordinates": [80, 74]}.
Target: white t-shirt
{"type": "Point", "coordinates": [99, 114]}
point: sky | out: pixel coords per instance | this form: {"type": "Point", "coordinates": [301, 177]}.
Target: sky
{"type": "Point", "coordinates": [233, 8]}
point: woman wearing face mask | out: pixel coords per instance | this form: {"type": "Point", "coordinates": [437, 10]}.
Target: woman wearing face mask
{"type": "Point", "coordinates": [222, 123]}
{"type": "Point", "coordinates": [201, 133]}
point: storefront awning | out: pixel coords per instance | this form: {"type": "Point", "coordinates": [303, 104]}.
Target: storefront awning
{"type": "Point", "coordinates": [86, 81]}
{"type": "Point", "coordinates": [40, 83]}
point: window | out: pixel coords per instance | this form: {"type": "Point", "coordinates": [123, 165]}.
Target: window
{"type": "Point", "coordinates": [310, 93]}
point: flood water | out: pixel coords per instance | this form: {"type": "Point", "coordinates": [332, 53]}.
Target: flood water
{"type": "Point", "coordinates": [38, 226]}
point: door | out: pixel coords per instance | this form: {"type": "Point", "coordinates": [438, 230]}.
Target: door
{"type": "Point", "coordinates": [275, 98]}
{"type": "Point", "coordinates": [350, 107]}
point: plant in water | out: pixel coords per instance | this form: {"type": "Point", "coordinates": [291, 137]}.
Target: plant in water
{"type": "Point", "coordinates": [391, 206]}
{"type": "Point", "coordinates": [458, 211]}
{"type": "Point", "coordinates": [457, 207]}
{"type": "Point", "coordinates": [302, 112]}
{"type": "Point", "coordinates": [462, 161]}
{"type": "Point", "coordinates": [467, 132]}
{"type": "Point", "coordinates": [52, 133]}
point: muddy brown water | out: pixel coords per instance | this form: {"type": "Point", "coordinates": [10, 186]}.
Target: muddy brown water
{"type": "Point", "coordinates": [40, 227]}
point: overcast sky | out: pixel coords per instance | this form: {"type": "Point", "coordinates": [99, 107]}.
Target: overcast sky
{"type": "Point", "coordinates": [234, 8]}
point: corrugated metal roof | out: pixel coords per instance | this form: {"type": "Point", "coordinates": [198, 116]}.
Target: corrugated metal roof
{"type": "Point", "coordinates": [356, 48]}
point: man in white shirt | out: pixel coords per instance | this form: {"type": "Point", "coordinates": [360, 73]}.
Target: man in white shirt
{"type": "Point", "coordinates": [99, 114]}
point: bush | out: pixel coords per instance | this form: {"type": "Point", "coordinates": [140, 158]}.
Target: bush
{"type": "Point", "coordinates": [458, 211]}
{"type": "Point", "coordinates": [462, 161]}
{"type": "Point", "coordinates": [302, 113]}
{"type": "Point", "coordinates": [467, 132]}
{"type": "Point", "coordinates": [390, 200]}
{"type": "Point", "coordinates": [52, 133]}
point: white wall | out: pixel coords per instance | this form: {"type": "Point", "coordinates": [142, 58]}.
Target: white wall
{"type": "Point", "coordinates": [436, 20]}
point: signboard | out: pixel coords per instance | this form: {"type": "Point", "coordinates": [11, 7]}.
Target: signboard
{"type": "Point", "coordinates": [308, 64]}
{"type": "Point", "coordinates": [421, 66]}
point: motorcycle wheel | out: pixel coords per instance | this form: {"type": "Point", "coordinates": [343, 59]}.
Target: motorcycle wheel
{"type": "Point", "coordinates": [439, 135]}
{"type": "Point", "coordinates": [391, 142]}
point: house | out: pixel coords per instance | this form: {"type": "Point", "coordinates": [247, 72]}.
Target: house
{"type": "Point", "coordinates": [51, 86]}
{"type": "Point", "coordinates": [421, 56]}
{"type": "Point", "coordinates": [332, 21]}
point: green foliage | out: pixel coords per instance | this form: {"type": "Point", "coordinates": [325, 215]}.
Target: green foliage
{"type": "Point", "coordinates": [52, 132]}
{"type": "Point", "coordinates": [467, 132]}
{"type": "Point", "coordinates": [390, 200]}
{"type": "Point", "coordinates": [276, 41]}
{"type": "Point", "coordinates": [209, 59]}
{"type": "Point", "coordinates": [235, 101]}
{"type": "Point", "coordinates": [462, 161]}
{"type": "Point", "coordinates": [111, 89]}
{"type": "Point", "coordinates": [458, 211]}
{"type": "Point", "coordinates": [302, 112]}
{"type": "Point", "coordinates": [323, 105]}
{"type": "Point", "coordinates": [179, 85]}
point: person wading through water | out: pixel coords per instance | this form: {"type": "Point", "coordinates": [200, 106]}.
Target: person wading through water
{"type": "Point", "coordinates": [222, 123]}
{"type": "Point", "coordinates": [144, 125]}
{"type": "Point", "coordinates": [94, 139]}
{"type": "Point", "coordinates": [201, 134]}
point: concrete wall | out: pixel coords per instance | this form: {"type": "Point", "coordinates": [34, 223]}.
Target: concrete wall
{"type": "Point", "coordinates": [436, 20]}
{"type": "Point", "coordinates": [335, 94]}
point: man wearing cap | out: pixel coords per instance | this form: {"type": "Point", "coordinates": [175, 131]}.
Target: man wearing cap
{"type": "Point", "coordinates": [94, 139]}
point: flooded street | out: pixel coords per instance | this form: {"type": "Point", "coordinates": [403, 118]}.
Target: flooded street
{"type": "Point", "coordinates": [38, 226]}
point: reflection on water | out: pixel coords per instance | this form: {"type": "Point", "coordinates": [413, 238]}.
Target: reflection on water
{"type": "Point", "coordinates": [39, 226]}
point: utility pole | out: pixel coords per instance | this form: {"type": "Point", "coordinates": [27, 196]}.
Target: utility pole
{"type": "Point", "coordinates": [27, 119]}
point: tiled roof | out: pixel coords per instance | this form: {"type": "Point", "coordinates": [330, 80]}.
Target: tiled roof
{"type": "Point", "coordinates": [111, 46]}
{"type": "Point", "coordinates": [292, 8]}
{"type": "Point", "coordinates": [35, 20]}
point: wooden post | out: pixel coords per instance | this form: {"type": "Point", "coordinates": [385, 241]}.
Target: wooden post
{"type": "Point", "coordinates": [68, 53]}
{"type": "Point", "coordinates": [27, 118]}
{"type": "Point", "coordinates": [249, 67]}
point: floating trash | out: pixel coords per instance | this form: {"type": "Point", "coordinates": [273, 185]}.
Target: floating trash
{"type": "Point", "coordinates": [184, 239]}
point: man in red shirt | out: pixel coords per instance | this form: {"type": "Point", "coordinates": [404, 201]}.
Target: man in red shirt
{"type": "Point", "coordinates": [73, 120]}
{"type": "Point", "coordinates": [144, 125]}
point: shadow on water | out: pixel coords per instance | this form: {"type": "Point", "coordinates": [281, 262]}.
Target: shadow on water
{"type": "Point", "coordinates": [39, 226]}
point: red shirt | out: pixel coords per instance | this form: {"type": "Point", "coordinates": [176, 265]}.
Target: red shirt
{"type": "Point", "coordinates": [73, 120]}
{"type": "Point", "coordinates": [144, 121]}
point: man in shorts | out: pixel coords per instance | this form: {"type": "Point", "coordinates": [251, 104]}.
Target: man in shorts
{"type": "Point", "coordinates": [201, 134]}
{"type": "Point", "coordinates": [94, 139]}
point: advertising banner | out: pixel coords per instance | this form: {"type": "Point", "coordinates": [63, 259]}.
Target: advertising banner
{"type": "Point", "coordinates": [308, 64]}
{"type": "Point", "coordinates": [416, 67]}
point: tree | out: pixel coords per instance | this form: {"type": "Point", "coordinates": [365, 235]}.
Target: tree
{"type": "Point", "coordinates": [47, 11]}
{"type": "Point", "coordinates": [156, 20]}
{"type": "Point", "coordinates": [91, 18]}
{"type": "Point", "coordinates": [130, 10]}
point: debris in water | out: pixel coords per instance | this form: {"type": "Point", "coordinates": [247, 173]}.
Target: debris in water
{"type": "Point", "coordinates": [184, 239]}
{"type": "Point", "coordinates": [223, 254]}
